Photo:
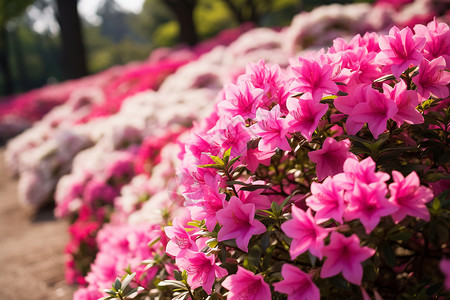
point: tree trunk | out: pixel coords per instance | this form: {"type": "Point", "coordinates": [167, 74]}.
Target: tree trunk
{"type": "Point", "coordinates": [73, 51]}
{"type": "Point", "coordinates": [23, 79]}
{"type": "Point", "coordinates": [184, 12]}
{"type": "Point", "coordinates": [4, 65]}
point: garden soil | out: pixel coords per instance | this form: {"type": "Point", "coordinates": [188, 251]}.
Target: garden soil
{"type": "Point", "coordinates": [31, 248]}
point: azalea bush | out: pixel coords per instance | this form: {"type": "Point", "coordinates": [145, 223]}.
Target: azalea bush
{"type": "Point", "coordinates": [328, 178]}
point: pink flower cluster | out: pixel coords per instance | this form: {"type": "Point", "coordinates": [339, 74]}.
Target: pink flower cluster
{"type": "Point", "coordinates": [276, 131]}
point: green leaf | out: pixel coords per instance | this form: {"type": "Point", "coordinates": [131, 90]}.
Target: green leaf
{"type": "Point", "coordinates": [288, 198]}
{"type": "Point", "coordinates": [400, 236]}
{"type": "Point", "coordinates": [132, 291]}
{"type": "Point", "coordinates": [217, 160]}
{"type": "Point", "coordinates": [339, 282]}
{"type": "Point", "coordinates": [254, 187]}
{"type": "Point", "coordinates": [117, 284]}
{"type": "Point", "coordinates": [171, 283]}
{"type": "Point", "coordinates": [276, 208]}
{"type": "Point", "coordinates": [182, 296]}
{"type": "Point", "coordinates": [254, 257]}
{"type": "Point", "coordinates": [388, 254]}
{"type": "Point", "coordinates": [385, 78]}
{"type": "Point", "coordinates": [213, 166]}
{"type": "Point", "coordinates": [227, 153]}
{"type": "Point", "coordinates": [127, 280]}
{"type": "Point", "coordinates": [177, 275]}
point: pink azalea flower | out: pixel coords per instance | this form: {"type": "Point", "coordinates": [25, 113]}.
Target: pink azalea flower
{"type": "Point", "coordinates": [268, 79]}
{"type": "Point", "coordinates": [432, 79]}
{"type": "Point", "coordinates": [400, 49]}
{"type": "Point", "coordinates": [306, 234]}
{"type": "Point", "coordinates": [345, 255]}
{"type": "Point", "coordinates": [207, 208]}
{"type": "Point", "coordinates": [406, 101]}
{"type": "Point", "coordinates": [242, 99]}
{"type": "Point", "coordinates": [271, 129]}
{"type": "Point", "coordinates": [202, 270]}
{"type": "Point", "coordinates": [409, 196]}
{"type": "Point", "coordinates": [235, 136]}
{"type": "Point", "coordinates": [256, 157]}
{"type": "Point", "coordinates": [437, 37]}
{"type": "Point", "coordinates": [180, 239]}
{"type": "Point", "coordinates": [444, 265]}
{"type": "Point", "coordinates": [297, 284]}
{"type": "Point", "coordinates": [310, 77]}
{"type": "Point", "coordinates": [304, 116]}
{"type": "Point", "coordinates": [331, 157]}
{"type": "Point", "coordinates": [368, 203]}
{"type": "Point", "coordinates": [255, 197]}
{"type": "Point", "coordinates": [327, 200]}
{"type": "Point", "coordinates": [244, 285]}
{"type": "Point", "coordinates": [375, 111]}
{"type": "Point", "coordinates": [238, 220]}
{"type": "Point", "coordinates": [362, 171]}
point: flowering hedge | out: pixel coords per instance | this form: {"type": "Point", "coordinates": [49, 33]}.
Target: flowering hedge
{"type": "Point", "coordinates": [328, 178]}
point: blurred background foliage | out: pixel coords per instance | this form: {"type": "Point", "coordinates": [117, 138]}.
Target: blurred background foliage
{"type": "Point", "coordinates": [32, 55]}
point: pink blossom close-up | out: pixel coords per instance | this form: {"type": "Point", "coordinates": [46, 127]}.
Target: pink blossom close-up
{"type": "Point", "coordinates": [331, 157]}
{"type": "Point", "coordinates": [297, 284]}
{"type": "Point", "coordinates": [368, 203]}
{"type": "Point", "coordinates": [312, 78]}
{"type": "Point", "coordinates": [271, 129]}
{"type": "Point", "coordinates": [410, 197]}
{"type": "Point", "coordinates": [344, 254]}
{"type": "Point", "coordinates": [327, 200]}
{"type": "Point", "coordinates": [238, 220]}
{"type": "Point", "coordinates": [400, 49]}
{"type": "Point", "coordinates": [304, 116]}
{"type": "Point", "coordinates": [305, 233]}
{"type": "Point", "coordinates": [202, 270]}
{"type": "Point", "coordinates": [245, 285]}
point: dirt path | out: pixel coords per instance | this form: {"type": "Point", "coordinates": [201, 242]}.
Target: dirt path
{"type": "Point", "coordinates": [31, 248]}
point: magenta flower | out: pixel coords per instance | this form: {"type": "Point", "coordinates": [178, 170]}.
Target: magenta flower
{"type": "Point", "coordinates": [255, 197]}
{"type": "Point", "coordinates": [304, 116]}
{"type": "Point", "coordinates": [268, 79]}
{"type": "Point", "coordinates": [242, 99]}
{"type": "Point", "coordinates": [432, 79]}
{"type": "Point", "coordinates": [345, 255]}
{"type": "Point", "coordinates": [409, 196]}
{"type": "Point", "coordinates": [234, 135]}
{"type": "Point", "coordinates": [368, 203]}
{"type": "Point", "coordinates": [297, 284]}
{"type": "Point", "coordinates": [406, 101]}
{"type": "Point", "coordinates": [202, 270]}
{"type": "Point", "coordinates": [310, 77]}
{"type": "Point", "coordinates": [210, 204]}
{"type": "Point", "coordinates": [271, 129]}
{"type": "Point", "coordinates": [331, 157]}
{"type": "Point", "coordinates": [327, 200]}
{"type": "Point", "coordinates": [238, 220]}
{"type": "Point", "coordinates": [375, 111]}
{"type": "Point", "coordinates": [306, 234]}
{"type": "Point", "coordinates": [400, 49]}
{"type": "Point", "coordinates": [437, 37]}
{"type": "Point", "coordinates": [362, 171]}
{"type": "Point", "coordinates": [180, 239]}
{"type": "Point", "coordinates": [244, 285]}
{"type": "Point", "coordinates": [444, 265]}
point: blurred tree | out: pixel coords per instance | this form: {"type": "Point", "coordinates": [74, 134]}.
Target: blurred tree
{"type": "Point", "coordinates": [8, 10]}
{"type": "Point", "coordinates": [184, 13]}
{"type": "Point", "coordinates": [73, 51]}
